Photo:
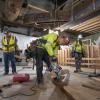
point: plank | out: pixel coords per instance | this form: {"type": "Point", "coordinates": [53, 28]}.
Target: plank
{"type": "Point", "coordinates": [77, 91]}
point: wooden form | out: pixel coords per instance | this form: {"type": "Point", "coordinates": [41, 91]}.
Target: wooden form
{"type": "Point", "coordinates": [92, 57]}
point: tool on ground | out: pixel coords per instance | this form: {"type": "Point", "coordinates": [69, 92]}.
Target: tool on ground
{"type": "Point", "coordinates": [58, 75]}
{"type": "Point", "coordinates": [21, 78]}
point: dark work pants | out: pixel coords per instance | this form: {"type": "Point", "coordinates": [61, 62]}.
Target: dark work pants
{"type": "Point", "coordinates": [9, 57]}
{"type": "Point", "coordinates": [33, 62]}
{"type": "Point", "coordinates": [78, 60]}
{"type": "Point", "coordinates": [41, 55]}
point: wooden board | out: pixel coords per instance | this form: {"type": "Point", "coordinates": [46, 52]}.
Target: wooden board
{"type": "Point", "coordinates": [79, 92]}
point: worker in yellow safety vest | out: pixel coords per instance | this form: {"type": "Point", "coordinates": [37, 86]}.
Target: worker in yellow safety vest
{"type": "Point", "coordinates": [9, 46]}
{"type": "Point", "coordinates": [46, 50]}
{"type": "Point", "coordinates": [78, 48]}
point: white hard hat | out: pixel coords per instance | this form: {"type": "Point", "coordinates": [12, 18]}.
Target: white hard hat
{"type": "Point", "coordinates": [80, 36]}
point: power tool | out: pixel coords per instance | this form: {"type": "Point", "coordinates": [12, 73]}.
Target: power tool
{"type": "Point", "coordinates": [60, 76]}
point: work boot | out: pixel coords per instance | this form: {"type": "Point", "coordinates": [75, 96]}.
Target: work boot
{"type": "Point", "coordinates": [42, 86]}
{"type": "Point", "coordinates": [14, 73]}
{"type": "Point", "coordinates": [5, 73]}
{"type": "Point", "coordinates": [1, 91]}
{"type": "Point", "coordinates": [40, 80]}
{"type": "Point", "coordinates": [80, 70]}
{"type": "Point", "coordinates": [76, 71]}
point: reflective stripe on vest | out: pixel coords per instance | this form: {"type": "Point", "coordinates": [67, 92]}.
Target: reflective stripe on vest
{"type": "Point", "coordinates": [9, 47]}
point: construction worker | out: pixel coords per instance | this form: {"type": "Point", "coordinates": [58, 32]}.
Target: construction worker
{"type": "Point", "coordinates": [18, 53]}
{"type": "Point", "coordinates": [30, 52]}
{"type": "Point", "coordinates": [9, 45]}
{"type": "Point", "coordinates": [78, 49]}
{"type": "Point", "coordinates": [46, 50]}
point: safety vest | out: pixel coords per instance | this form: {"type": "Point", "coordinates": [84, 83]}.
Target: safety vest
{"type": "Point", "coordinates": [78, 47]}
{"type": "Point", "coordinates": [8, 46]}
{"type": "Point", "coordinates": [51, 45]}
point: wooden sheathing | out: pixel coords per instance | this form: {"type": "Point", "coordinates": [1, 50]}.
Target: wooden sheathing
{"type": "Point", "coordinates": [91, 59]}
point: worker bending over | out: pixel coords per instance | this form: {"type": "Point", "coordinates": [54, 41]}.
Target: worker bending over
{"type": "Point", "coordinates": [46, 50]}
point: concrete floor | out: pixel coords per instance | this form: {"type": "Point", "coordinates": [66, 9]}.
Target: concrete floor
{"type": "Point", "coordinates": [50, 93]}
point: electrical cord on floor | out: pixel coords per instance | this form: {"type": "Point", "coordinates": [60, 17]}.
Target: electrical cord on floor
{"type": "Point", "coordinates": [33, 93]}
{"type": "Point", "coordinates": [17, 95]}
{"type": "Point", "coordinates": [1, 95]}
{"type": "Point", "coordinates": [33, 89]}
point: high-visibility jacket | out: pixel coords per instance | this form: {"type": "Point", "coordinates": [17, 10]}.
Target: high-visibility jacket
{"type": "Point", "coordinates": [8, 46]}
{"type": "Point", "coordinates": [51, 44]}
{"type": "Point", "coordinates": [78, 47]}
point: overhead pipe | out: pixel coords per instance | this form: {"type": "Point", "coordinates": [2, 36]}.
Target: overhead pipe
{"type": "Point", "coordinates": [38, 22]}
{"type": "Point", "coordinates": [37, 8]}
{"type": "Point", "coordinates": [75, 3]}
{"type": "Point", "coordinates": [94, 5]}
{"type": "Point", "coordinates": [67, 2]}
{"type": "Point", "coordinates": [78, 25]}
{"type": "Point", "coordinates": [62, 5]}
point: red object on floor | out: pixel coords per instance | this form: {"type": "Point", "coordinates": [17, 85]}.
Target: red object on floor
{"type": "Point", "coordinates": [21, 78]}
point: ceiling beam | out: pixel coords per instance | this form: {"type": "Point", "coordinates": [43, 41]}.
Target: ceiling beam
{"type": "Point", "coordinates": [95, 31]}
{"type": "Point", "coordinates": [90, 27]}
{"type": "Point", "coordinates": [88, 22]}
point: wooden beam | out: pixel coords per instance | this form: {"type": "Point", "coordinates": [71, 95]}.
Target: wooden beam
{"type": "Point", "coordinates": [96, 29]}
{"type": "Point", "coordinates": [86, 27]}
{"type": "Point", "coordinates": [88, 22]}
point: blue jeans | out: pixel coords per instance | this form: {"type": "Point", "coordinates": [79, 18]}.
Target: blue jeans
{"type": "Point", "coordinates": [9, 57]}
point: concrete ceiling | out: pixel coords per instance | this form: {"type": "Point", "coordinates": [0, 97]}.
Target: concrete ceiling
{"type": "Point", "coordinates": [35, 14]}
{"type": "Point", "coordinates": [59, 14]}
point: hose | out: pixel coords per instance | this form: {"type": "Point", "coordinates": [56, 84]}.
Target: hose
{"type": "Point", "coordinates": [33, 89]}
